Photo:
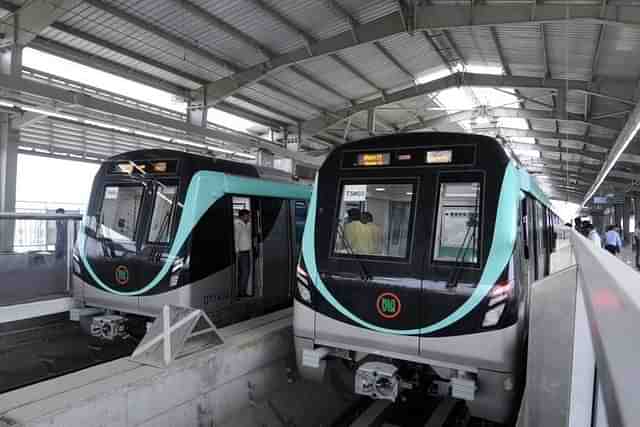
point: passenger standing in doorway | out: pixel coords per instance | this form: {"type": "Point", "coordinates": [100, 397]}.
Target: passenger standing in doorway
{"type": "Point", "coordinates": [373, 234]}
{"type": "Point", "coordinates": [636, 236]}
{"type": "Point", "coordinates": [242, 232]}
{"type": "Point", "coordinates": [612, 243]}
{"type": "Point", "coordinates": [61, 235]}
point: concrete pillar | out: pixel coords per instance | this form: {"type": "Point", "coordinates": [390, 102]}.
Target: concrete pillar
{"type": "Point", "coordinates": [10, 63]}
{"type": "Point", "coordinates": [265, 158]}
{"type": "Point", "coordinates": [562, 103]}
{"type": "Point", "coordinates": [8, 174]}
{"type": "Point", "coordinates": [196, 108]}
{"type": "Point", "coordinates": [371, 121]}
{"type": "Point", "coordinates": [626, 231]}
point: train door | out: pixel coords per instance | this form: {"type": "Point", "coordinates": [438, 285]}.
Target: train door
{"type": "Point", "coordinates": [275, 250]}
{"type": "Point", "coordinates": [246, 281]}
{"type": "Point", "coordinates": [532, 250]}
{"type": "Point", "coordinates": [525, 241]}
{"type": "Point", "coordinates": [541, 241]}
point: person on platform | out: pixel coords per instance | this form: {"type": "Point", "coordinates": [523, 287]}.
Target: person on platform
{"type": "Point", "coordinates": [242, 235]}
{"type": "Point", "coordinates": [613, 242]}
{"type": "Point", "coordinates": [61, 235]}
{"type": "Point", "coordinates": [592, 234]}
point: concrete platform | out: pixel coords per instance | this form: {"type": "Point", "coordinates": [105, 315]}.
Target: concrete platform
{"type": "Point", "coordinates": [207, 388]}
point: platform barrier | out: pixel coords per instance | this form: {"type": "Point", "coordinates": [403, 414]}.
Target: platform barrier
{"type": "Point", "coordinates": [35, 263]}
{"type": "Point", "coordinates": [205, 388]}
{"type": "Point", "coordinates": [584, 343]}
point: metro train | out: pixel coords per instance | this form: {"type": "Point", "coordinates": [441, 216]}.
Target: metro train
{"type": "Point", "coordinates": [159, 229]}
{"type": "Point", "coordinates": [418, 256]}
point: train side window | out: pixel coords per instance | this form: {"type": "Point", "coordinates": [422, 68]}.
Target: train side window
{"type": "Point", "coordinates": [161, 220]}
{"type": "Point", "coordinates": [457, 236]}
{"type": "Point", "coordinates": [120, 209]}
{"type": "Point", "coordinates": [375, 219]}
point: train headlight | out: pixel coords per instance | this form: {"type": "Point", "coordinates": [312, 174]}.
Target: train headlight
{"type": "Point", "coordinates": [492, 316]}
{"type": "Point", "coordinates": [303, 284]}
{"type": "Point", "coordinates": [304, 293]}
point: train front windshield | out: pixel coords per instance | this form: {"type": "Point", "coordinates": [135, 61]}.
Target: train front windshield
{"type": "Point", "coordinates": [120, 212]}
{"type": "Point", "coordinates": [374, 219]}
{"type": "Point", "coordinates": [138, 208]}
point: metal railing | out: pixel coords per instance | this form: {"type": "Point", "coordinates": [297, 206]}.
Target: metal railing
{"type": "Point", "coordinates": [36, 256]}
{"type": "Point", "coordinates": [584, 343]}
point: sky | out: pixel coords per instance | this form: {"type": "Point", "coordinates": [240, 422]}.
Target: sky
{"type": "Point", "coordinates": [62, 183]}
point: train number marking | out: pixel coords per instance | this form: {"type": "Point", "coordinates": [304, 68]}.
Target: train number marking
{"type": "Point", "coordinates": [122, 275]}
{"type": "Point", "coordinates": [388, 305]}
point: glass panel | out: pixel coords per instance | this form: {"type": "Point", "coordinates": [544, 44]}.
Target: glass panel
{"type": "Point", "coordinates": [161, 221]}
{"type": "Point", "coordinates": [457, 230]}
{"type": "Point", "coordinates": [300, 218]}
{"type": "Point", "coordinates": [120, 207]}
{"type": "Point", "coordinates": [375, 220]}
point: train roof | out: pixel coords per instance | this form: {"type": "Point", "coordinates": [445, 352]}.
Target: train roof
{"type": "Point", "coordinates": [417, 138]}
{"type": "Point", "coordinates": [528, 183]}
{"type": "Point", "coordinates": [221, 165]}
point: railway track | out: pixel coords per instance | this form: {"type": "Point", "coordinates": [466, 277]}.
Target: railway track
{"type": "Point", "coordinates": [412, 411]}
{"type": "Point", "coordinates": [41, 352]}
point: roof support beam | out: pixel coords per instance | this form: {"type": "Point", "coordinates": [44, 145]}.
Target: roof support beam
{"type": "Point", "coordinates": [426, 17]}
{"type": "Point", "coordinates": [33, 17]}
{"type": "Point", "coordinates": [66, 97]}
{"type": "Point", "coordinates": [519, 133]}
{"type": "Point", "coordinates": [106, 65]}
{"type": "Point", "coordinates": [26, 118]}
{"type": "Point", "coordinates": [545, 52]}
{"type": "Point", "coordinates": [324, 121]}
{"type": "Point", "coordinates": [555, 149]}
{"type": "Point", "coordinates": [126, 52]}
{"type": "Point", "coordinates": [624, 139]}
{"type": "Point", "coordinates": [190, 47]}
{"type": "Point", "coordinates": [100, 63]}
{"type": "Point", "coordinates": [500, 112]}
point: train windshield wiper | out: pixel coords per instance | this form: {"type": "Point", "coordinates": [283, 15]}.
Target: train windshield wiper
{"type": "Point", "coordinates": [469, 238]}
{"type": "Point", "coordinates": [143, 177]}
{"type": "Point", "coordinates": [364, 274]}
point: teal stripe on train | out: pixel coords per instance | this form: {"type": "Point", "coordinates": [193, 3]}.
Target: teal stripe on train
{"type": "Point", "coordinates": [502, 245]}
{"type": "Point", "coordinates": [529, 184]}
{"type": "Point", "coordinates": [205, 188]}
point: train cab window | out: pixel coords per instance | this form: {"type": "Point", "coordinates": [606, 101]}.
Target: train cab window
{"type": "Point", "coordinates": [457, 226]}
{"type": "Point", "coordinates": [161, 220]}
{"type": "Point", "coordinates": [375, 220]}
{"type": "Point", "coordinates": [120, 208]}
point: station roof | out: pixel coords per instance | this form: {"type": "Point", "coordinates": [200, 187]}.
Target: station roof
{"type": "Point", "coordinates": [556, 82]}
